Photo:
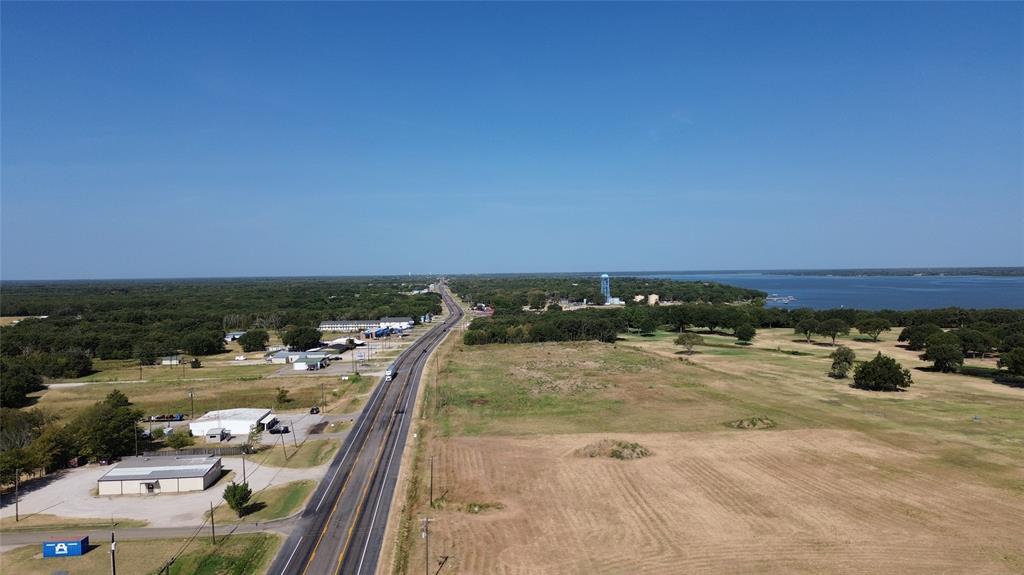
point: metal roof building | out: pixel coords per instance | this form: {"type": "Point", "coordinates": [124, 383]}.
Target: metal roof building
{"type": "Point", "coordinates": [153, 475]}
{"type": "Point", "coordinates": [234, 421]}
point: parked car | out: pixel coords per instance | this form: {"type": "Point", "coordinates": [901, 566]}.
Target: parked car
{"type": "Point", "coordinates": [314, 410]}
{"type": "Point", "coordinates": [279, 429]}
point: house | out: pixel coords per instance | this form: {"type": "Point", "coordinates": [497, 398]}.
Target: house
{"type": "Point", "coordinates": [170, 360]}
{"type": "Point", "coordinates": [396, 322]}
{"type": "Point", "coordinates": [239, 421]}
{"type": "Point", "coordinates": [279, 356]}
{"type": "Point", "coordinates": [232, 336]}
{"type": "Point", "coordinates": [349, 325]}
{"type": "Point", "coordinates": [153, 475]}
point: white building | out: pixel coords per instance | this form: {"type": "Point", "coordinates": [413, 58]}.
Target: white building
{"type": "Point", "coordinates": [170, 360]}
{"type": "Point", "coordinates": [309, 363]}
{"type": "Point", "coordinates": [349, 325]}
{"type": "Point", "coordinates": [232, 336]}
{"type": "Point", "coordinates": [396, 322]}
{"type": "Point", "coordinates": [234, 421]}
{"type": "Point", "coordinates": [152, 475]}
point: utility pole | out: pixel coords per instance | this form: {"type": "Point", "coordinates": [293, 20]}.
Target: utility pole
{"type": "Point", "coordinates": [192, 396]}
{"type": "Point", "coordinates": [135, 428]}
{"type": "Point", "coordinates": [291, 428]}
{"type": "Point", "coordinates": [431, 480]}
{"type": "Point", "coordinates": [323, 397]}
{"type": "Point", "coordinates": [113, 554]}
{"type": "Point", "coordinates": [426, 552]}
{"type": "Point", "coordinates": [213, 527]}
{"type": "Point", "coordinates": [17, 474]}
{"type": "Point", "coordinates": [244, 476]}
{"type": "Point", "coordinates": [283, 450]}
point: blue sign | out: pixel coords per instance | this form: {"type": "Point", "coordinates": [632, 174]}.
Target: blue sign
{"type": "Point", "coordinates": [66, 548]}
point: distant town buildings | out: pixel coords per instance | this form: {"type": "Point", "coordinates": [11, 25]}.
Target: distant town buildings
{"type": "Point", "coordinates": [355, 325]}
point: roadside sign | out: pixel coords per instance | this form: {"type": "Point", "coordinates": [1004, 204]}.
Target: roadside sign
{"type": "Point", "coordinates": [66, 548]}
{"type": "Point", "coordinates": [360, 355]}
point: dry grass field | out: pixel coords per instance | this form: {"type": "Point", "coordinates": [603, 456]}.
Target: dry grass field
{"type": "Point", "coordinates": [837, 480]}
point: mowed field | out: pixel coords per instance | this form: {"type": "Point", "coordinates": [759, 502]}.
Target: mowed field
{"type": "Point", "coordinates": [845, 482]}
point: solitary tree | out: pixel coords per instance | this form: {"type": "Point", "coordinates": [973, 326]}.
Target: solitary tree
{"type": "Point", "coordinates": [237, 496]}
{"type": "Point", "coordinates": [842, 362]}
{"type": "Point", "coordinates": [1013, 361]}
{"type": "Point", "coordinates": [688, 340]}
{"type": "Point", "coordinates": [807, 328]}
{"type": "Point", "coordinates": [254, 340]}
{"type": "Point", "coordinates": [301, 338]}
{"type": "Point", "coordinates": [947, 358]}
{"type": "Point", "coordinates": [882, 373]}
{"type": "Point", "coordinates": [745, 332]}
{"type": "Point", "coordinates": [833, 328]}
{"type": "Point", "coordinates": [873, 327]}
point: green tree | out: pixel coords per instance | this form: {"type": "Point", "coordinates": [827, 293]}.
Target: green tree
{"type": "Point", "coordinates": [974, 342]}
{"type": "Point", "coordinates": [253, 440]}
{"type": "Point", "coordinates": [688, 340]}
{"type": "Point", "coordinates": [536, 299]}
{"type": "Point", "coordinates": [237, 496]}
{"type": "Point", "coordinates": [17, 380]}
{"type": "Point", "coordinates": [254, 340]}
{"type": "Point", "coordinates": [842, 362]}
{"type": "Point", "coordinates": [203, 343]}
{"type": "Point", "coordinates": [179, 439]}
{"type": "Point", "coordinates": [882, 373]}
{"type": "Point", "coordinates": [807, 328]}
{"type": "Point", "coordinates": [946, 357]}
{"type": "Point", "coordinates": [301, 338]}
{"type": "Point", "coordinates": [745, 332]}
{"type": "Point", "coordinates": [107, 429]}
{"type": "Point", "coordinates": [1012, 361]}
{"type": "Point", "coordinates": [916, 336]}
{"type": "Point", "coordinates": [873, 327]}
{"type": "Point", "coordinates": [648, 324]}
{"type": "Point", "coordinates": [833, 328]}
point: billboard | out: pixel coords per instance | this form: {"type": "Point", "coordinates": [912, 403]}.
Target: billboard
{"type": "Point", "coordinates": [66, 548]}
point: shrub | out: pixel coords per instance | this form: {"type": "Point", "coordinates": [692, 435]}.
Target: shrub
{"type": "Point", "coordinates": [842, 362]}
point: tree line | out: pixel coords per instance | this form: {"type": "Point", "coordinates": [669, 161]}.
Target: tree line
{"type": "Point", "coordinates": [144, 320]}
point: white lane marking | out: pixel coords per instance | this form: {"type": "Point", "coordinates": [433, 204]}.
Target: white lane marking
{"type": "Point", "coordinates": [297, 543]}
{"type": "Point", "coordinates": [362, 422]}
{"type": "Point", "coordinates": [380, 494]}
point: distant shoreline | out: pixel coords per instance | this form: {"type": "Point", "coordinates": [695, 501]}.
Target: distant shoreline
{"type": "Point", "coordinates": [1008, 271]}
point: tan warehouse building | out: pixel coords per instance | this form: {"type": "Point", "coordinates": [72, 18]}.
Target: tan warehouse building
{"type": "Point", "coordinates": [153, 475]}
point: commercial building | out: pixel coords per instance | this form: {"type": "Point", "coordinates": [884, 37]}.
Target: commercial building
{"type": "Point", "coordinates": [309, 363]}
{"type": "Point", "coordinates": [153, 475]}
{"type": "Point", "coordinates": [233, 421]}
{"type": "Point", "coordinates": [349, 325]}
{"type": "Point", "coordinates": [396, 322]}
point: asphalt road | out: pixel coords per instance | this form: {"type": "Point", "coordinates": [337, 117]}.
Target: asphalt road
{"type": "Point", "coordinates": [342, 528]}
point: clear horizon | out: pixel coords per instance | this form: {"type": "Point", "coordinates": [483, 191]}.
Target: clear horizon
{"type": "Point", "coordinates": [219, 140]}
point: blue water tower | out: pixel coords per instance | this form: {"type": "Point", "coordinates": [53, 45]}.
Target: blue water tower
{"type": "Point", "coordinates": [606, 288]}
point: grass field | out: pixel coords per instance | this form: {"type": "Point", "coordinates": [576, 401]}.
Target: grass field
{"type": "Point", "coordinates": [234, 555]}
{"type": "Point", "coordinates": [43, 521]}
{"type": "Point", "coordinates": [311, 453]}
{"type": "Point", "coordinates": [839, 480]}
{"type": "Point", "coordinates": [271, 503]}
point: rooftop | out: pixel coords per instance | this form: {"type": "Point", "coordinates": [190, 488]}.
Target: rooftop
{"type": "Point", "coordinates": [251, 414]}
{"type": "Point", "coordinates": [155, 468]}
{"type": "Point", "coordinates": [383, 319]}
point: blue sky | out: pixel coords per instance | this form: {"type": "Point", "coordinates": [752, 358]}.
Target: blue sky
{"type": "Point", "coordinates": [183, 140]}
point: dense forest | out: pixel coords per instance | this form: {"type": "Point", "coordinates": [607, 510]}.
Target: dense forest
{"type": "Point", "coordinates": [146, 319]}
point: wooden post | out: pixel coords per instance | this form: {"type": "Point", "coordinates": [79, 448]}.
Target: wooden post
{"type": "Point", "coordinates": [213, 526]}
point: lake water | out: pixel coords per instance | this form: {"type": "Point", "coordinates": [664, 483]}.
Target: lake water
{"type": "Point", "coordinates": [876, 292]}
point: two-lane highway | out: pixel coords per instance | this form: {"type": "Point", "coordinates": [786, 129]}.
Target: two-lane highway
{"type": "Point", "coordinates": [342, 528]}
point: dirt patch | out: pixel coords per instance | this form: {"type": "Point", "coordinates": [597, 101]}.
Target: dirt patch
{"type": "Point", "coordinates": [615, 449]}
{"type": "Point", "coordinates": [318, 428]}
{"type": "Point", "coordinates": [805, 501]}
{"type": "Point", "coordinates": [753, 423]}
